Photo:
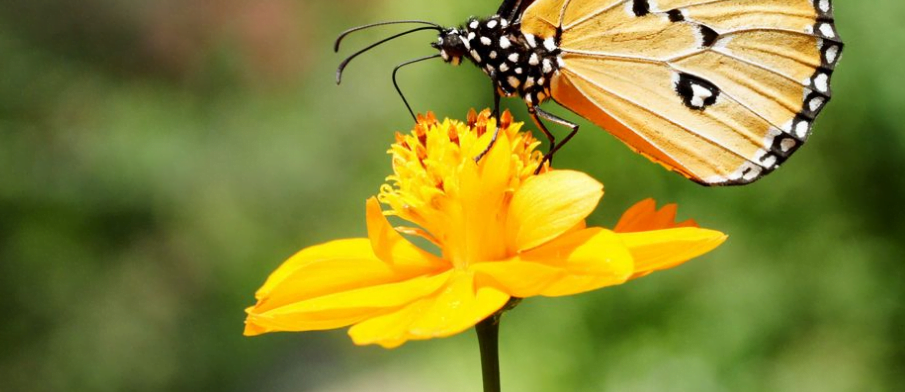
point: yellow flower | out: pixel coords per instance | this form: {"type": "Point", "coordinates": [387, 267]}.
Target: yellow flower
{"type": "Point", "coordinates": [501, 232]}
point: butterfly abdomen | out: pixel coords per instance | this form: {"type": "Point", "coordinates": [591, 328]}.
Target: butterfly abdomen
{"type": "Point", "coordinates": [519, 64]}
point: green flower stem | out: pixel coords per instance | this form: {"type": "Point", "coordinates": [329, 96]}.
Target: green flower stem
{"type": "Point", "coordinates": [488, 340]}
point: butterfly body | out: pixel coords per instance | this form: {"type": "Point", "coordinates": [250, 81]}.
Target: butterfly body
{"type": "Point", "coordinates": [519, 64]}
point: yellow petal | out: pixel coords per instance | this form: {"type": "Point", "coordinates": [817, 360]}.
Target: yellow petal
{"type": "Point", "coordinates": [661, 249]}
{"type": "Point", "coordinates": [482, 203]}
{"type": "Point", "coordinates": [573, 263]}
{"type": "Point", "coordinates": [516, 277]}
{"type": "Point", "coordinates": [394, 249]}
{"type": "Point", "coordinates": [257, 325]}
{"type": "Point", "coordinates": [334, 266]}
{"type": "Point", "coordinates": [548, 205]}
{"type": "Point", "coordinates": [339, 266]}
{"type": "Point", "coordinates": [346, 307]}
{"type": "Point", "coordinates": [455, 308]}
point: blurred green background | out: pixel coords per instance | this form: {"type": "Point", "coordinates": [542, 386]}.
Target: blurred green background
{"type": "Point", "coordinates": [159, 158]}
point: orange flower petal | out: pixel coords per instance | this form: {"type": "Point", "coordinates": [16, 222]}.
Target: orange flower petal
{"type": "Point", "coordinates": [576, 262]}
{"type": "Point", "coordinates": [394, 249]}
{"type": "Point", "coordinates": [457, 307]}
{"type": "Point", "coordinates": [662, 249]}
{"type": "Point", "coordinates": [345, 308]}
{"type": "Point", "coordinates": [548, 205]}
{"type": "Point", "coordinates": [643, 216]}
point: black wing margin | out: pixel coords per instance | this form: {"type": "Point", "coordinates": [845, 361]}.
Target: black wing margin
{"type": "Point", "coordinates": [512, 10]}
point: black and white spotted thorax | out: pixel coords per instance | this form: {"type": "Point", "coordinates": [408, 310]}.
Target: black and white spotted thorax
{"type": "Point", "coordinates": [519, 64]}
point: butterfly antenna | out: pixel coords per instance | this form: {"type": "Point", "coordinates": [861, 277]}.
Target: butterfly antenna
{"type": "Point", "coordinates": [399, 90]}
{"type": "Point", "coordinates": [368, 26]}
{"type": "Point", "coordinates": [342, 65]}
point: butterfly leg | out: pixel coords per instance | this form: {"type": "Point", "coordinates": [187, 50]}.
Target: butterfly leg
{"type": "Point", "coordinates": [489, 145]}
{"type": "Point", "coordinates": [560, 121]}
{"type": "Point", "coordinates": [536, 114]}
{"type": "Point", "coordinates": [496, 115]}
{"type": "Point", "coordinates": [496, 103]}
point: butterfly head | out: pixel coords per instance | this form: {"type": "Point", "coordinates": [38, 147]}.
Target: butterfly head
{"type": "Point", "coordinates": [452, 45]}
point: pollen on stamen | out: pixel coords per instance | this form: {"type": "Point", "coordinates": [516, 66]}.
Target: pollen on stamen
{"type": "Point", "coordinates": [421, 153]}
{"type": "Point", "coordinates": [453, 135]}
{"type": "Point", "coordinates": [427, 161]}
{"type": "Point", "coordinates": [421, 133]}
{"type": "Point", "coordinates": [400, 140]}
{"type": "Point", "coordinates": [506, 120]}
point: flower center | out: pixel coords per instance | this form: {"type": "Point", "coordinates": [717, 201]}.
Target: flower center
{"type": "Point", "coordinates": [459, 204]}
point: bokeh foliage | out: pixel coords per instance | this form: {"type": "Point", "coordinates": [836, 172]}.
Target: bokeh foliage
{"type": "Point", "coordinates": [159, 158]}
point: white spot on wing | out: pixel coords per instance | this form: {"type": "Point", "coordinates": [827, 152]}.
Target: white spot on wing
{"type": "Point", "coordinates": [821, 82]}
{"type": "Point", "coordinates": [752, 173]}
{"type": "Point", "coordinates": [831, 53]}
{"type": "Point", "coordinates": [486, 41]}
{"type": "Point", "coordinates": [549, 44]}
{"type": "Point", "coordinates": [699, 94]}
{"type": "Point", "coordinates": [827, 30]}
{"type": "Point", "coordinates": [492, 23]}
{"type": "Point", "coordinates": [816, 103]}
{"type": "Point", "coordinates": [801, 129]}
{"type": "Point", "coordinates": [747, 171]}
{"type": "Point", "coordinates": [765, 158]}
{"type": "Point", "coordinates": [787, 144]}
{"type": "Point", "coordinates": [548, 66]}
{"type": "Point", "coordinates": [723, 43]}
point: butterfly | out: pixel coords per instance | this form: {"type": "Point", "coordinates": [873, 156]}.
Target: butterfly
{"type": "Point", "coordinates": [720, 91]}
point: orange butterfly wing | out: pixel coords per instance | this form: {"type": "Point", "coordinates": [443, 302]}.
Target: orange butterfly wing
{"type": "Point", "coordinates": [722, 91]}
